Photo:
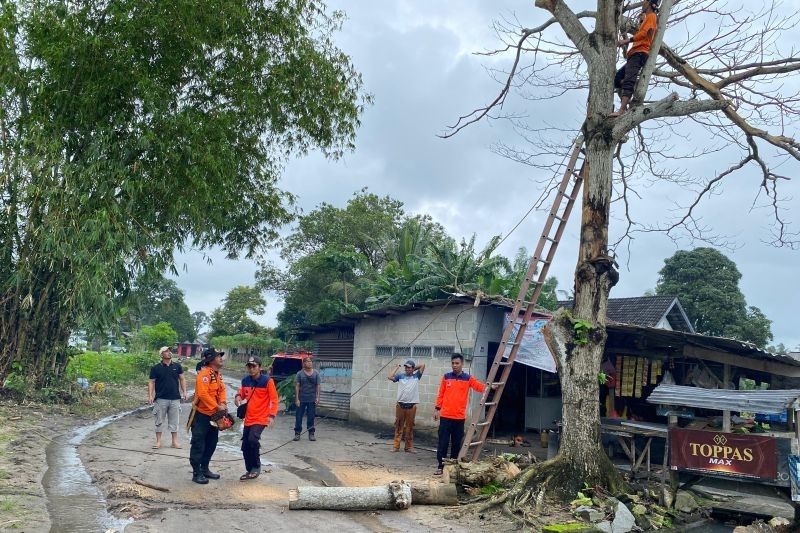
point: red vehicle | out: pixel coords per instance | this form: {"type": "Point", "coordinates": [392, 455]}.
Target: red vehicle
{"type": "Point", "coordinates": [287, 364]}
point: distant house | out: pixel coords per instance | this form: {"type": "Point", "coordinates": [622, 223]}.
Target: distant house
{"type": "Point", "coordinates": [662, 312]}
{"type": "Point", "coordinates": [190, 349]}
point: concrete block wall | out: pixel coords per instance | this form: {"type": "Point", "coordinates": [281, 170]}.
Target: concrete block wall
{"type": "Point", "coordinates": [456, 326]}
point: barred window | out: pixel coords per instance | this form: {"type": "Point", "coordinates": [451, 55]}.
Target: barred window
{"type": "Point", "coordinates": [422, 351]}
{"type": "Point", "coordinates": [402, 351]}
{"type": "Point", "coordinates": [383, 351]}
{"type": "Point", "coordinates": [443, 351]}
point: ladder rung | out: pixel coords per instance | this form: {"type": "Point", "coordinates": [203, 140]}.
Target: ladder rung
{"type": "Point", "coordinates": [504, 363]}
{"type": "Point", "coordinates": [471, 444]}
{"type": "Point", "coordinates": [498, 383]}
{"type": "Point", "coordinates": [549, 239]}
{"type": "Point", "coordinates": [481, 424]}
{"type": "Point", "coordinates": [557, 217]}
{"type": "Point", "coordinates": [490, 403]}
{"type": "Point", "coordinates": [536, 282]}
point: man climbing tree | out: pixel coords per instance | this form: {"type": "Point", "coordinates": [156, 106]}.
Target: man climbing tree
{"type": "Point", "coordinates": [636, 56]}
{"type": "Point", "coordinates": [733, 100]}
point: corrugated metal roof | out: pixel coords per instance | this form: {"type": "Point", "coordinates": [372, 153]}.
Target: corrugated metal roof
{"type": "Point", "coordinates": [757, 401]}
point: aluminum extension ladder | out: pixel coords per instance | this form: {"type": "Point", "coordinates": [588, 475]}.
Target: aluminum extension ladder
{"type": "Point", "coordinates": [477, 430]}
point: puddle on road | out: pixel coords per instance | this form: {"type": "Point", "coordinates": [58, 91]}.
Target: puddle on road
{"type": "Point", "coordinates": [74, 503]}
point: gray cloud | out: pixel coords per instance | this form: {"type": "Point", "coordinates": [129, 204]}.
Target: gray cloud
{"type": "Point", "coordinates": [415, 58]}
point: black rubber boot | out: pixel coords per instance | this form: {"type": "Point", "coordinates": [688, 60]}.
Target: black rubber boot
{"type": "Point", "coordinates": [208, 473]}
{"type": "Point", "coordinates": [198, 477]}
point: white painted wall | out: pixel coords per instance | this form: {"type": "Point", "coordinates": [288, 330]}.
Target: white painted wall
{"type": "Point", "coordinates": [456, 325]}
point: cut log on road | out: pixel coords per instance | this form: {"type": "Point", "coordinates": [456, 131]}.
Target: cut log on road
{"type": "Point", "coordinates": [395, 495]}
{"type": "Point", "coordinates": [433, 493]}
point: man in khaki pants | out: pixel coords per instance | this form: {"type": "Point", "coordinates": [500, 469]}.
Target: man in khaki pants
{"type": "Point", "coordinates": [407, 400]}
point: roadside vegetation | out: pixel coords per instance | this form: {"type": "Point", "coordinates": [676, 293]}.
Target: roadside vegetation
{"type": "Point", "coordinates": [93, 381]}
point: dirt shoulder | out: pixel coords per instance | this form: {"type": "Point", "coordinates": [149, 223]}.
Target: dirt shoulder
{"type": "Point", "coordinates": [25, 433]}
{"type": "Point", "coordinates": [132, 475]}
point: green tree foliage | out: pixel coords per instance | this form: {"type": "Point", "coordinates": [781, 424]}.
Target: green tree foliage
{"type": "Point", "coordinates": [332, 254]}
{"type": "Point", "coordinates": [233, 317]}
{"type": "Point", "coordinates": [159, 299]}
{"type": "Point", "coordinates": [707, 284]}
{"type": "Point", "coordinates": [130, 128]}
{"type": "Point", "coordinates": [779, 348]}
{"type": "Point", "coordinates": [388, 258]}
{"type": "Point", "coordinates": [366, 226]}
{"type": "Point", "coordinates": [155, 336]}
{"type": "Point", "coordinates": [261, 345]}
{"type": "Point", "coordinates": [200, 320]}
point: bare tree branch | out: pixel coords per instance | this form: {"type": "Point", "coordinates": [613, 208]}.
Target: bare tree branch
{"type": "Point", "coordinates": [571, 25]}
{"type": "Point", "coordinates": [787, 144]}
{"type": "Point", "coordinates": [666, 107]}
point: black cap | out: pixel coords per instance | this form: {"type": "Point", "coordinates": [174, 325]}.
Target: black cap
{"type": "Point", "coordinates": [210, 354]}
{"type": "Point", "coordinates": [253, 360]}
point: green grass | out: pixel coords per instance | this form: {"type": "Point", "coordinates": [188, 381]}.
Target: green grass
{"type": "Point", "coordinates": [108, 367]}
{"type": "Point", "coordinates": [7, 505]}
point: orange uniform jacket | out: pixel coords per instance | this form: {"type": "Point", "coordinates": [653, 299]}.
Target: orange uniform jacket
{"type": "Point", "coordinates": [209, 391]}
{"type": "Point", "coordinates": [454, 394]}
{"type": "Point", "coordinates": [262, 400]}
{"type": "Point", "coordinates": [642, 40]}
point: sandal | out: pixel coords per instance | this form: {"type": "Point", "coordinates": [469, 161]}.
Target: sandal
{"type": "Point", "coordinates": [248, 476]}
{"type": "Point", "coordinates": [438, 472]}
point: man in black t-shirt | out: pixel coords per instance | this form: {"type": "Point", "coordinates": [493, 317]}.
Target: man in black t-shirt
{"type": "Point", "coordinates": [164, 391]}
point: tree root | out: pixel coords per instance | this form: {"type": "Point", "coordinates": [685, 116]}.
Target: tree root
{"type": "Point", "coordinates": [551, 479]}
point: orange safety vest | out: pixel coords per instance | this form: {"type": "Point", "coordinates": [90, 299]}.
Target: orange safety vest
{"type": "Point", "coordinates": [454, 394]}
{"type": "Point", "coordinates": [209, 391]}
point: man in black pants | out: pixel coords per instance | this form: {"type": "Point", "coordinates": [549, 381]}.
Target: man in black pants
{"type": "Point", "coordinates": [636, 56]}
{"type": "Point", "coordinates": [209, 398]}
{"type": "Point", "coordinates": [451, 409]}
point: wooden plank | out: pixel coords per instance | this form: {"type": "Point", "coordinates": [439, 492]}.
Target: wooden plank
{"type": "Point", "coordinates": [742, 362]}
{"type": "Point", "coordinates": [625, 448]}
{"type": "Point", "coordinates": [726, 415]}
{"type": "Point", "coordinates": [645, 451]}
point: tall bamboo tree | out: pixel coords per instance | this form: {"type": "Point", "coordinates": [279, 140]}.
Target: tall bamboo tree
{"type": "Point", "coordinates": [133, 127]}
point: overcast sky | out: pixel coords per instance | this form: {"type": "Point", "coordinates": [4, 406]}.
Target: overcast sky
{"type": "Point", "coordinates": [417, 60]}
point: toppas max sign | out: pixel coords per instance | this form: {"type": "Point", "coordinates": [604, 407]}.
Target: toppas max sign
{"type": "Point", "coordinates": [723, 453]}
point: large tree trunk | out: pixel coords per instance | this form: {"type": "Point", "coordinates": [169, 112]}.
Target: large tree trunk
{"type": "Point", "coordinates": [578, 353]}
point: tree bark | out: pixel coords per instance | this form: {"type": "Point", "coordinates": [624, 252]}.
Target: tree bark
{"type": "Point", "coordinates": [395, 496]}
{"type": "Point", "coordinates": [433, 493]}
{"type": "Point", "coordinates": [578, 356]}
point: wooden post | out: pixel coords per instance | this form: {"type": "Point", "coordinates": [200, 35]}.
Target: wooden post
{"type": "Point", "coordinates": [726, 415]}
{"type": "Point", "coordinates": [796, 426]}
{"type": "Point", "coordinates": [668, 496]}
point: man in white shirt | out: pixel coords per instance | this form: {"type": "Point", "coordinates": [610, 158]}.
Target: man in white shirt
{"type": "Point", "coordinates": [407, 400]}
